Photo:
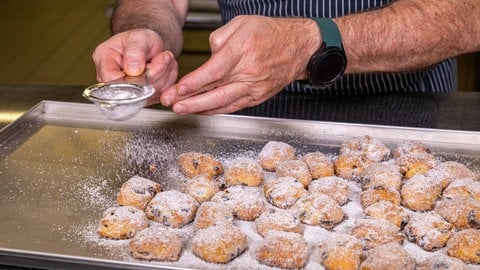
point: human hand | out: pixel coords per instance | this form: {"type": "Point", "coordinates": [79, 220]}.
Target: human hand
{"type": "Point", "coordinates": [129, 53]}
{"type": "Point", "coordinates": [253, 58]}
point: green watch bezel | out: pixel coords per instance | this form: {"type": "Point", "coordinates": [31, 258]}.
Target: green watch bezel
{"type": "Point", "coordinates": [328, 63]}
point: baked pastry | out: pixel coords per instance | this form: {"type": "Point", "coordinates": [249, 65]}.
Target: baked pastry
{"type": "Point", "coordinates": [156, 243]}
{"type": "Point", "coordinates": [352, 165]}
{"type": "Point", "coordinates": [441, 262]}
{"type": "Point", "coordinates": [461, 212]}
{"type": "Point", "coordinates": [220, 243]}
{"type": "Point", "coordinates": [319, 164]}
{"type": "Point", "coordinates": [211, 213]}
{"type": "Point", "coordinates": [384, 174]}
{"type": "Point", "coordinates": [244, 171]}
{"type": "Point", "coordinates": [137, 192]}
{"type": "Point", "coordinates": [366, 146]}
{"type": "Point", "coordinates": [340, 251]}
{"type": "Point", "coordinates": [375, 232]}
{"type": "Point", "coordinates": [379, 193]}
{"type": "Point", "coordinates": [409, 146]}
{"type": "Point", "coordinates": [333, 186]}
{"type": "Point", "coordinates": [444, 173]}
{"type": "Point", "coordinates": [388, 211]}
{"type": "Point", "coordinates": [283, 192]}
{"type": "Point", "coordinates": [273, 153]}
{"type": "Point", "coordinates": [122, 222]}
{"type": "Point", "coordinates": [283, 249]}
{"type": "Point", "coordinates": [201, 187]}
{"type": "Point", "coordinates": [429, 230]}
{"type": "Point", "coordinates": [172, 208]}
{"type": "Point", "coordinates": [419, 193]}
{"type": "Point", "coordinates": [415, 163]}
{"type": "Point", "coordinates": [247, 202]}
{"type": "Point", "coordinates": [276, 219]}
{"type": "Point", "coordinates": [465, 245]}
{"type": "Point", "coordinates": [319, 209]}
{"type": "Point", "coordinates": [195, 163]}
{"type": "Point", "coordinates": [463, 187]}
{"type": "Point", "coordinates": [388, 256]}
{"type": "Point", "coordinates": [296, 169]}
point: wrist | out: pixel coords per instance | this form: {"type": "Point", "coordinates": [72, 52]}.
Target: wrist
{"type": "Point", "coordinates": [329, 62]}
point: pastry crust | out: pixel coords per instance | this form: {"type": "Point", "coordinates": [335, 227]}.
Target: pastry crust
{"type": "Point", "coordinates": [366, 146]}
{"type": "Point", "coordinates": [340, 251]}
{"type": "Point", "coordinates": [195, 163]}
{"type": "Point", "coordinates": [388, 256]}
{"type": "Point", "coordinates": [319, 164]}
{"type": "Point", "coordinates": [388, 211]}
{"type": "Point", "coordinates": [378, 194]}
{"type": "Point", "coordinates": [319, 209]}
{"type": "Point", "coordinates": [201, 187]}
{"type": "Point", "coordinates": [352, 166]}
{"type": "Point", "coordinates": [283, 192]}
{"type": "Point", "coordinates": [446, 172]}
{"type": "Point", "coordinates": [335, 187]}
{"type": "Point", "coordinates": [275, 219]}
{"type": "Point", "coordinates": [137, 192]}
{"type": "Point", "coordinates": [219, 243]}
{"type": "Point", "coordinates": [156, 243]}
{"type": "Point", "coordinates": [247, 202]}
{"type": "Point", "coordinates": [384, 174]}
{"type": "Point", "coordinates": [211, 213]}
{"type": "Point", "coordinates": [283, 249]}
{"type": "Point", "coordinates": [296, 169]}
{"type": "Point", "coordinates": [465, 245]}
{"type": "Point", "coordinates": [122, 222]}
{"type": "Point", "coordinates": [429, 230]}
{"type": "Point", "coordinates": [376, 232]}
{"type": "Point", "coordinates": [419, 193]}
{"type": "Point", "coordinates": [273, 153]}
{"type": "Point", "coordinates": [442, 262]}
{"type": "Point", "coordinates": [172, 208]}
{"type": "Point", "coordinates": [414, 163]}
{"type": "Point", "coordinates": [461, 212]}
{"type": "Point", "coordinates": [244, 171]}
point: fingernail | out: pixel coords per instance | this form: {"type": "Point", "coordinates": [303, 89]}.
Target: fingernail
{"type": "Point", "coordinates": [181, 90]}
{"type": "Point", "coordinates": [134, 68]}
{"type": "Point", "coordinates": [168, 101]}
{"type": "Point", "coordinates": [166, 58]}
{"type": "Point", "coordinates": [179, 109]}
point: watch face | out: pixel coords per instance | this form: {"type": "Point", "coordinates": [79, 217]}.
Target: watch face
{"type": "Point", "coordinates": [332, 66]}
{"type": "Point", "coordinates": [327, 66]}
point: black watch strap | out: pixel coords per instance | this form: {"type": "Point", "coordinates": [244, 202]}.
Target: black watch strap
{"type": "Point", "coordinates": [329, 31]}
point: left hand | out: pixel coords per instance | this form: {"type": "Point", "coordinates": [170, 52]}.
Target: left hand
{"type": "Point", "coordinates": [253, 58]}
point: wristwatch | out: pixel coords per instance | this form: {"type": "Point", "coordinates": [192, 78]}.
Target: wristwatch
{"type": "Point", "coordinates": [328, 63]}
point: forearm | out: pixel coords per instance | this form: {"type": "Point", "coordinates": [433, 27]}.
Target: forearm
{"type": "Point", "coordinates": [162, 16]}
{"type": "Point", "coordinates": [410, 34]}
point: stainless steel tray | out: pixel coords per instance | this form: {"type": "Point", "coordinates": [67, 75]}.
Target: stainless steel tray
{"type": "Point", "coordinates": [61, 165]}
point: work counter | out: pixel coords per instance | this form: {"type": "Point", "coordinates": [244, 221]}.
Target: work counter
{"type": "Point", "coordinates": [455, 111]}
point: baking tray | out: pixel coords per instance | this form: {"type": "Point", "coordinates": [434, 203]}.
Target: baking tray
{"type": "Point", "coordinates": [61, 165]}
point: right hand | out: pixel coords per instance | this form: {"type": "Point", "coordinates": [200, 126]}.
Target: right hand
{"type": "Point", "coordinates": [129, 53]}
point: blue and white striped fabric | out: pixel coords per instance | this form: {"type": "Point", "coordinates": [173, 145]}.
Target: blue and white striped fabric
{"type": "Point", "coordinates": [441, 77]}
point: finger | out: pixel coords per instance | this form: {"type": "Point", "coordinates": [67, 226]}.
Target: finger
{"type": "Point", "coordinates": [217, 98]}
{"type": "Point", "coordinates": [241, 103]}
{"type": "Point", "coordinates": [134, 59]}
{"type": "Point", "coordinates": [220, 36]}
{"type": "Point", "coordinates": [108, 65]}
{"type": "Point", "coordinates": [207, 76]}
